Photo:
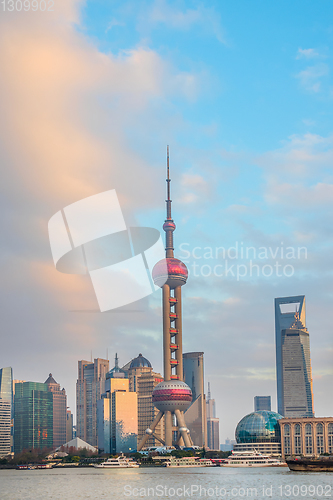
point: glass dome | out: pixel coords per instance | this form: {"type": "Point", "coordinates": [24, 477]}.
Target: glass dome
{"type": "Point", "coordinates": [259, 426]}
{"type": "Point", "coordinates": [140, 361]}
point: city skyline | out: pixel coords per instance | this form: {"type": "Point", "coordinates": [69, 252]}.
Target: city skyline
{"type": "Point", "coordinates": [247, 114]}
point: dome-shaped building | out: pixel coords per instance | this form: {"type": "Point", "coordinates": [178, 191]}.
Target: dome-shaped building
{"type": "Point", "coordinates": [140, 362]}
{"type": "Point", "coordinates": [259, 430]}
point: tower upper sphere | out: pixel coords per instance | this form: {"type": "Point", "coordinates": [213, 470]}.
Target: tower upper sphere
{"type": "Point", "coordinates": [170, 271]}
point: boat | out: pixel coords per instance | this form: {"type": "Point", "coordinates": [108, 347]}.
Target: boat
{"type": "Point", "coordinates": [310, 464]}
{"type": "Point", "coordinates": [34, 466]}
{"type": "Point", "coordinates": [251, 459]}
{"type": "Point", "coordinates": [184, 462]}
{"type": "Point", "coordinates": [120, 462]}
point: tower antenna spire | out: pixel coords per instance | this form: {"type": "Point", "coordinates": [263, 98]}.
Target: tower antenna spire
{"type": "Point", "coordinates": [169, 226]}
{"type": "Point", "coordinates": [168, 180]}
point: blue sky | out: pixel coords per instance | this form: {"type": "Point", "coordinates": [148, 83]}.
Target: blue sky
{"type": "Point", "coordinates": [251, 89]}
{"type": "Point", "coordinates": [242, 92]}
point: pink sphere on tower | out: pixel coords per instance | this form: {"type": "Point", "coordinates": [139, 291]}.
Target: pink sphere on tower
{"type": "Point", "coordinates": [172, 395]}
{"type": "Point", "coordinates": [170, 271]}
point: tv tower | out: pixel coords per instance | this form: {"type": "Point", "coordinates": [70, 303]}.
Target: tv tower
{"type": "Point", "coordinates": [172, 396]}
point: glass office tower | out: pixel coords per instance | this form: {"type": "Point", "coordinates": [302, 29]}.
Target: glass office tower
{"type": "Point", "coordinates": [262, 403]}
{"type": "Point", "coordinates": [195, 416]}
{"type": "Point", "coordinates": [89, 388]}
{"type": "Point", "coordinates": [33, 416]}
{"type": "Point", "coordinates": [293, 362]}
{"type": "Point", "coordinates": [59, 412]}
{"type": "Point", "coordinates": [117, 416]}
{"type": "Point", "coordinates": [213, 423]}
{"type": "Point", "coordinates": [6, 411]}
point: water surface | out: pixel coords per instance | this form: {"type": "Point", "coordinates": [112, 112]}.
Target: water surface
{"type": "Point", "coordinates": [164, 483]}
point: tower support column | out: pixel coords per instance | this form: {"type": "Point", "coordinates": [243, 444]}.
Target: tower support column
{"type": "Point", "coordinates": [179, 337]}
{"type": "Point", "coordinates": [168, 428]}
{"type": "Point", "coordinates": [166, 332]}
{"type": "Point", "coordinates": [150, 430]}
{"type": "Point", "coordinates": [183, 428]}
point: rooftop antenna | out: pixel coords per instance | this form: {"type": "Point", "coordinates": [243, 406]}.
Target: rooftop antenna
{"type": "Point", "coordinates": [209, 396]}
{"type": "Point", "coordinates": [91, 356]}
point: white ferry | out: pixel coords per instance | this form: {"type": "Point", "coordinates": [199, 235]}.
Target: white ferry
{"type": "Point", "coordinates": [251, 459]}
{"type": "Point", "coordinates": [184, 462]}
{"type": "Point", "coordinates": [120, 462]}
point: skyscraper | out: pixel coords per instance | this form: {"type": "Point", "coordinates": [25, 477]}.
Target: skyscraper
{"type": "Point", "coordinates": [195, 416]}
{"type": "Point", "coordinates": [59, 411]}
{"type": "Point", "coordinates": [213, 423]}
{"type": "Point", "coordinates": [143, 380]}
{"type": "Point", "coordinates": [33, 416]}
{"type": "Point", "coordinates": [293, 363]}
{"type": "Point", "coordinates": [90, 386]}
{"type": "Point", "coordinates": [117, 416]}
{"type": "Point", "coordinates": [69, 426]}
{"type": "Point", "coordinates": [5, 428]}
{"type": "Point", "coordinates": [6, 411]}
{"type": "Point", "coordinates": [147, 412]}
{"type": "Point", "coordinates": [172, 396]}
{"type": "Point", "coordinates": [262, 403]}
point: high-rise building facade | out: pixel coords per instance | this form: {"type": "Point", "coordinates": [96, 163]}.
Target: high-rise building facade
{"type": "Point", "coordinates": [262, 403]}
{"type": "Point", "coordinates": [293, 362]}
{"type": "Point", "coordinates": [6, 411]}
{"type": "Point", "coordinates": [143, 380]}
{"type": "Point", "coordinates": [69, 426]}
{"type": "Point", "coordinates": [5, 428]}
{"type": "Point", "coordinates": [90, 386]}
{"type": "Point", "coordinates": [213, 423]}
{"type": "Point", "coordinates": [147, 412]}
{"type": "Point", "coordinates": [59, 411]}
{"type": "Point", "coordinates": [117, 416]}
{"type": "Point", "coordinates": [195, 416]}
{"type": "Point", "coordinates": [33, 416]}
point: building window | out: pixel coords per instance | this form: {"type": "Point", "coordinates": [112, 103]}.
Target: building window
{"type": "Point", "coordinates": [287, 439]}
{"type": "Point", "coordinates": [330, 438]}
{"type": "Point", "coordinates": [297, 439]}
{"type": "Point", "coordinates": [308, 439]}
{"type": "Point", "coordinates": [320, 438]}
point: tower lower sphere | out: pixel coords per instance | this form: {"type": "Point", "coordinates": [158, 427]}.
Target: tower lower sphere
{"type": "Point", "coordinates": [172, 395]}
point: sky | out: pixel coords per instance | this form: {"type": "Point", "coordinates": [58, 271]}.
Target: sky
{"type": "Point", "coordinates": [90, 94]}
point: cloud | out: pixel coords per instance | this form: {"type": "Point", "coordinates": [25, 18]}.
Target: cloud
{"type": "Point", "coordinates": [168, 13]}
{"type": "Point", "coordinates": [310, 78]}
{"type": "Point", "coordinates": [300, 156]}
{"type": "Point", "coordinates": [318, 195]}
{"type": "Point", "coordinates": [298, 175]}
{"type": "Point", "coordinates": [194, 187]}
{"type": "Point", "coordinates": [307, 54]}
{"type": "Point", "coordinates": [69, 113]}
{"type": "Point", "coordinates": [309, 123]}
{"type": "Point", "coordinates": [113, 22]}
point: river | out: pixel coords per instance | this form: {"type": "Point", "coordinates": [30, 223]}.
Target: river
{"type": "Point", "coordinates": [164, 483]}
